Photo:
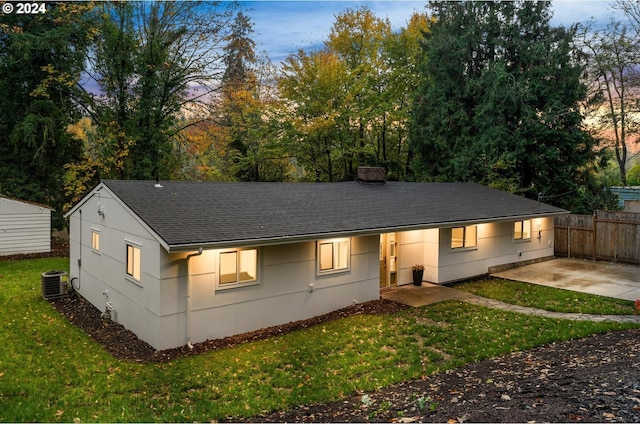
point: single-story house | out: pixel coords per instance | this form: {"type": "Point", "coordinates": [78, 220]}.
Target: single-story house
{"type": "Point", "coordinates": [182, 262]}
{"type": "Point", "coordinates": [25, 227]}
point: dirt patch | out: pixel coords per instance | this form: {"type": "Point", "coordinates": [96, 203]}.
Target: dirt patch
{"type": "Point", "coordinates": [596, 379]}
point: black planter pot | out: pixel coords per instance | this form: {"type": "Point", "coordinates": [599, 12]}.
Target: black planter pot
{"type": "Point", "coordinates": [417, 277]}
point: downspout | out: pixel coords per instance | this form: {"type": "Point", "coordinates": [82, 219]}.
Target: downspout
{"type": "Point", "coordinates": [189, 256]}
{"type": "Point", "coordinates": [79, 255]}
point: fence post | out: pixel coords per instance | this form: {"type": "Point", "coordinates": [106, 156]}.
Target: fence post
{"type": "Point", "coordinates": [620, 232]}
{"type": "Point", "coordinates": [615, 244]}
{"type": "Point", "coordinates": [595, 234]}
{"type": "Point", "coordinates": [569, 238]}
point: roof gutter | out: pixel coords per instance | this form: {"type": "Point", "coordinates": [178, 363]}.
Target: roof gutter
{"type": "Point", "coordinates": [269, 241]}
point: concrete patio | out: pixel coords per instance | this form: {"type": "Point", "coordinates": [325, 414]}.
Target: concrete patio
{"type": "Point", "coordinates": [602, 278]}
{"type": "Point", "coordinates": [619, 281]}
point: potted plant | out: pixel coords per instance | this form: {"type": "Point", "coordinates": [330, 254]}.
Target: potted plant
{"type": "Point", "coordinates": [418, 272]}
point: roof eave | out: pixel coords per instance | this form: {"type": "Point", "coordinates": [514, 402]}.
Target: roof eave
{"type": "Point", "coordinates": [137, 217]}
{"type": "Point", "coordinates": [83, 200]}
{"type": "Point", "coordinates": [27, 202]}
{"type": "Point", "coordinates": [271, 241]}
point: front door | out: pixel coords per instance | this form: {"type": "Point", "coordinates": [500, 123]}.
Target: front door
{"type": "Point", "coordinates": [388, 260]}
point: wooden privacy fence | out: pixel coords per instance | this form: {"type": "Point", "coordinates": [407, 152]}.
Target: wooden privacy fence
{"type": "Point", "coordinates": [607, 236]}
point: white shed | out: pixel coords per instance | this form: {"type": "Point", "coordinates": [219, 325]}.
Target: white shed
{"type": "Point", "coordinates": [25, 227]}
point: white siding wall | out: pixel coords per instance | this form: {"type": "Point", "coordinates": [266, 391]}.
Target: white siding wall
{"type": "Point", "coordinates": [24, 228]}
{"type": "Point", "coordinates": [432, 248]}
{"type": "Point", "coordinates": [137, 305]}
{"type": "Point", "coordinates": [418, 248]}
{"type": "Point", "coordinates": [282, 294]}
{"type": "Point", "coordinates": [495, 247]}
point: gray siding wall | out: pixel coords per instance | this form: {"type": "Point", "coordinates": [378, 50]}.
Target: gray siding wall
{"type": "Point", "coordinates": [24, 228]}
{"type": "Point", "coordinates": [281, 295]}
{"type": "Point", "coordinates": [104, 271]}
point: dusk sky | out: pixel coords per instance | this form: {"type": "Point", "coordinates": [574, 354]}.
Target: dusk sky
{"type": "Point", "coordinates": [283, 27]}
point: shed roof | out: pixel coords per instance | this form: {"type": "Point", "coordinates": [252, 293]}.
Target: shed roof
{"type": "Point", "coordinates": [188, 215]}
{"type": "Point", "coordinates": [7, 203]}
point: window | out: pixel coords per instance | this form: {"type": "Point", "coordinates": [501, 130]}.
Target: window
{"type": "Point", "coordinates": [95, 240]}
{"type": "Point", "coordinates": [333, 256]}
{"type": "Point", "coordinates": [238, 267]}
{"type": "Point", "coordinates": [133, 261]}
{"type": "Point", "coordinates": [522, 230]}
{"type": "Point", "coordinates": [464, 237]}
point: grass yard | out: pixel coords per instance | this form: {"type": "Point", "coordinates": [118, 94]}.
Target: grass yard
{"type": "Point", "coordinates": [549, 298]}
{"type": "Point", "coordinates": [50, 371]}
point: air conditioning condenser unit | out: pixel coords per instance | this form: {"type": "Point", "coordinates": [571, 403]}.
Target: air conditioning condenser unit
{"type": "Point", "coordinates": [55, 284]}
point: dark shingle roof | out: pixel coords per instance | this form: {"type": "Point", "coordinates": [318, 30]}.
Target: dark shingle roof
{"type": "Point", "coordinates": [188, 214]}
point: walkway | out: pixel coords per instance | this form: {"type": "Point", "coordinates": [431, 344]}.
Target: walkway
{"type": "Point", "coordinates": [432, 293]}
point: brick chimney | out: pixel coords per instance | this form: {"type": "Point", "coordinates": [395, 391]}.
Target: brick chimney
{"type": "Point", "coordinates": [371, 175]}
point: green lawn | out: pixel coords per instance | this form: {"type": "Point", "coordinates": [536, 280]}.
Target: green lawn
{"type": "Point", "coordinates": [51, 371]}
{"type": "Point", "coordinates": [543, 297]}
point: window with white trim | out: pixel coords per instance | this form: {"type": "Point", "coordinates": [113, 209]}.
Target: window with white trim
{"type": "Point", "coordinates": [334, 256]}
{"type": "Point", "coordinates": [464, 237]}
{"type": "Point", "coordinates": [133, 261]}
{"type": "Point", "coordinates": [237, 267]}
{"type": "Point", "coordinates": [522, 230]}
{"type": "Point", "coordinates": [95, 240]}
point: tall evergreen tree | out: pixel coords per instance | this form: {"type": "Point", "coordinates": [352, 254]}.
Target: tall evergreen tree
{"type": "Point", "coordinates": [239, 51]}
{"type": "Point", "coordinates": [245, 138]}
{"type": "Point", "coordinates": [238, 106]}
{"type": "Point", "coordinates": [501, 102]}
{"type": "Point", "coordinates": [41, 61]}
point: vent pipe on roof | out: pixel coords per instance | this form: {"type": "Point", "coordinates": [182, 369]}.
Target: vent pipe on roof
{"type": "Point", "coordinates": [157, 185]}
{"type": "Point", "coordinates": [371, 175]}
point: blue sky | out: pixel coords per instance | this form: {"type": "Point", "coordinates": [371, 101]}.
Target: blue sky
{"type": "Point", "coordinates": [283, 27]}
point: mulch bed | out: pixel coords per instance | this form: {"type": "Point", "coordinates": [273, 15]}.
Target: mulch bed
{"type": "Point", "coordinates": [125, 345]}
